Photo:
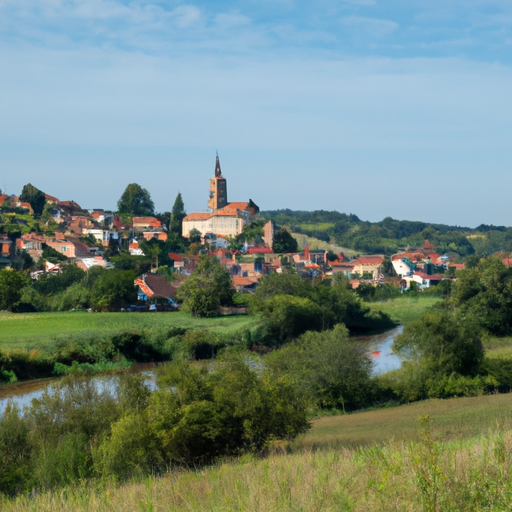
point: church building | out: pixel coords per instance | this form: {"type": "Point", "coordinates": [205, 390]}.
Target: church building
{"type": "Point", "coordinates": [224, 219]}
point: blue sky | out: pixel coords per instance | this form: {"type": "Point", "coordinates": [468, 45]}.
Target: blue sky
{"type": "Point", "coordinates": [377, 108]}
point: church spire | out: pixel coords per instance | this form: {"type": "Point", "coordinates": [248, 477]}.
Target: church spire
{"type": "Point", "coordinates": [218, 172]}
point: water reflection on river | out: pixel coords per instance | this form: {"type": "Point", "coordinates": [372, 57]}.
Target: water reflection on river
{"type": "Point", "coordinates": [22, 394]}
{"type": "Point", "coordinates": [379, 346]}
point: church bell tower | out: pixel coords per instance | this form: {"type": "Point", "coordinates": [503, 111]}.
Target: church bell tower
{"type": "Point", "coordinates": [218, 189]}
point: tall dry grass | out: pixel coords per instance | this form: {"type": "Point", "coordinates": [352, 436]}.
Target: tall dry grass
{"type": "Point", "coordinates": [415, 476]}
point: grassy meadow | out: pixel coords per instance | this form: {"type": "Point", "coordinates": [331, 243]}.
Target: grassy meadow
{"type": "Point", "coordinates": [37, 330]}
{"type": "Point", "coordinates": [407, 308]}
{"type": "Point", "coordinates": [381, 460]}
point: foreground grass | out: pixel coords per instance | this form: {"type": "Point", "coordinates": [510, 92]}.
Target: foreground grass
{"type": "Point", "coordinates": [37, 330]}
{"type": "Point", "coordinates": [425, 467]}
{"type": "Point", "coordinates": [407, 308]}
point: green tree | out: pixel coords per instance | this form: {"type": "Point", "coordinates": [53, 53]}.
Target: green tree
{"type": "Point", "coordinates": [443, 344]}
{"type": "Point", "coordinates": [135, 201]}
{"type": "Point", "coordinates": [178, 214]}
{"type": "Point", "coordinates": [329, 369]}
{"type": "Point", "coordinates": [484, 293]}
{"type": "Point", "coordinates": [114, 289]}
{"type": "Point", "coordinates": [287, 316]}
{"type": "Point", "coordinates": [226, 410]}
{"type": "Point", "coordinates": [11, 286]}
{"type": "Point", "coordinates": [284, 242]}
{"type": "Point", "coordinates": [194, 236]}
{"type": "Point", "coordinates": [207, 289]}
{"type": "Point", "coordinates": [252, 233]}
{"type": "Point", "coordinates": [34, 197]}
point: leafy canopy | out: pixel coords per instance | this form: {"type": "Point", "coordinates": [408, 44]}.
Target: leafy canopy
{"type": "Point", "coordinates": [135, 201]}
{"type": "Point", "coordinates": [34, 197]}
{"type": "Point", "coordinates": [207, 289]}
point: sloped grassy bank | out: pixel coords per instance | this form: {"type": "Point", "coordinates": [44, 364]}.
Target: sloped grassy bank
{"type": "Point", "coordinates": [431, 465]}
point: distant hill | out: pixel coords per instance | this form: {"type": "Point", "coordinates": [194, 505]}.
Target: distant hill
{"type": "Point", "coordinates": [389, 235]}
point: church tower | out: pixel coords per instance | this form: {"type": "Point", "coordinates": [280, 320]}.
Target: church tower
{"type": "Point", "coordinates": [218, 189]}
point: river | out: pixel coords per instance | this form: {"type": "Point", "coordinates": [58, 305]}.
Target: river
{"type": "Point", "coordinates": [379, 346]}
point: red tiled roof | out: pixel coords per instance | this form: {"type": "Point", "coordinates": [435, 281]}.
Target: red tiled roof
{"type": "Point", "coordinates": [507, 262]}
{"type": "Point", "coordinates": [427, 245]}
{"type": "Point", "coordinates": [26, 205]}
{"type": "Point", "coordinates": [259, 250]}
{"type": "Point", "coordinates": [3, 198]}
{"type": "Point", "coordinates": [347, 264]}
{"type": "Point", "coordinates": [50, 198]}
{"type": "Point", "coordinates": [155, 285]}
{"type": "Point", "coordinates": [434, 277]}
{"type": "Point", "coordinates": [197, 216]}
{"type": "Point", "coordinates": [243, 281]}
{"type": "Point", "coordinates": [368, 260]}
{"type": "Point", "coordinates": [149, 221]}
{"type": "Point", "coordinates": [414, 256]}
{"type": "Point", "coordinates": [231, 210]}
{"type": "Point", "coordinates": [174, 256]}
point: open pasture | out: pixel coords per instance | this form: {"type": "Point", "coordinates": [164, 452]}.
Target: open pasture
{"type": "Point", "coordinates": [36, 330]}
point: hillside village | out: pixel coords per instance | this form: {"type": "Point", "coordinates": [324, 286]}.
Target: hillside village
{"type": "Point", "coordinates": [63, 232]}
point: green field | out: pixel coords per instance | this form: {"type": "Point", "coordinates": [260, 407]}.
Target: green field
{"type": "Point", "coordinates": [35, 330]}
{"type": "Point", "coordinates": [406, 309]}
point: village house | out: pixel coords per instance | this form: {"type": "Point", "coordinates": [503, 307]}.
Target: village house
{"type": "Point", "coordinates": [146, 223]}
{"type": "Point", "coordinates": [63, 246]}
{"type": "Point", "coordinates": [6, 248]}
{"type": "Point", "coordinates": [154, 286]}
{"type": "Point", "coordinates": [101, 235]}
{"type": "Point", "coordinates": [245, 284]}
{"type": "Point", "coordinates": [31, 243]}
{"type": "Point", "coordinates": [51, 199]}
{"type": "Point", "coordinates": [368, 267]}
{"type": "Point", "coordinates": [77, 224]}
{"type": "Point", "coordinates": [427, 280]}
{"type": "Point", "coordinates": [177, 261]}
{"type": "Point", "coordinates": [134, 248]}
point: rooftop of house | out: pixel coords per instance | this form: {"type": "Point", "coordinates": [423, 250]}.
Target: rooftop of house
{"type": "Point", "coordinates": [244, 281]}
{"type": "Point", "coordinates": [197, 216]}
{"type": "Point", "coordinates": [150, 221]}
{"type": "Point", "coordinates": [231, 210]}
{"type": "Point", "coordinates": [427, 277]}
{"type": "Point", "coordinates": [413, 256]}
{"type": "Point", "coordinates": [174, 256]}
{"type": "Point", "coordinates": [50, 198]}
{"type": "Point", "coordinates": [259, 250]}
{"type": "Point", "coordinates": [368, 260]}
{"type": "Point", "coordinates": [155, 285]}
